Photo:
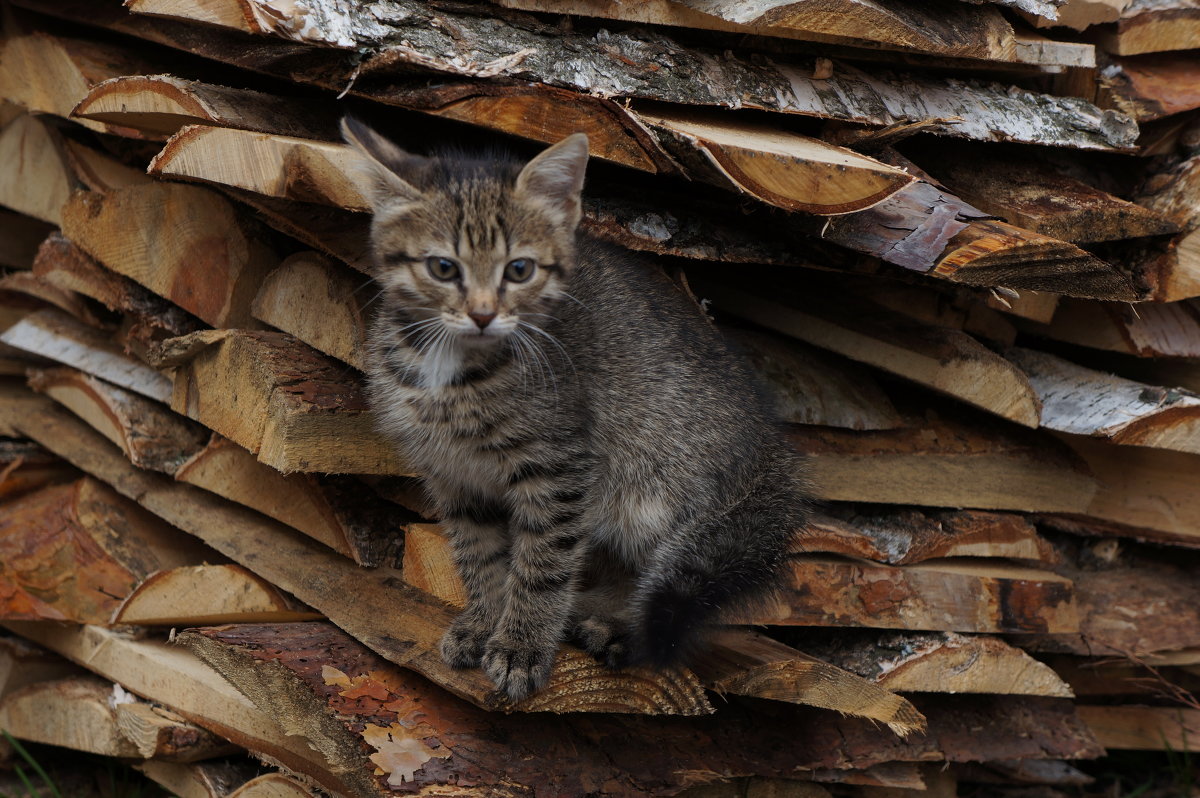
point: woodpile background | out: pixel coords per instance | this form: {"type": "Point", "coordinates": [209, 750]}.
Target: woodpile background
{"type": "Point", "coordinates": [961, 241]}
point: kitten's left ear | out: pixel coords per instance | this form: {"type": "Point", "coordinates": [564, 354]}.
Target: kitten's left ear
{"type": "Point", "coordinates": [380, 173]}
{"type": "Point", "coordinates": [555, 177]}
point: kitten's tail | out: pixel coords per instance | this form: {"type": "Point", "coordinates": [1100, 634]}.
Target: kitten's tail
{"type": "Point", "coordinates": [721, 565]}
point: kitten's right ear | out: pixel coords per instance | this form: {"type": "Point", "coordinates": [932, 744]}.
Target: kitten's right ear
{"type": "Point", "coordinates": [379, 173]}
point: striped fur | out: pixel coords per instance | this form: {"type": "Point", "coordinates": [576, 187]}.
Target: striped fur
{"type": "Point", "coordinates": [605, 467]}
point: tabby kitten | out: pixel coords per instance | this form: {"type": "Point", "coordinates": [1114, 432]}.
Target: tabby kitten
{"type": "Point", "coordinates": [606, 469]}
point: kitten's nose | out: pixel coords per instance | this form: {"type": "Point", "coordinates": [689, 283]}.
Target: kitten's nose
{"type": "Point", "coordinates": [482, 319]}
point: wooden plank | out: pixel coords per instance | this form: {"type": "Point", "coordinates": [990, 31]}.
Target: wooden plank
{"type": "Point", "coordinates": [201, 595]}
{"type": "Point", "coordinates": [190, 246]}
{"type": "Point", "coordinates": [939, 662]}
{"type": "Point", "coordinates": [292, 407]}
{"type": "Point", "coordinates": [945, 595]}
{"type": "Point", "coordinates": [400, 623]}
{"type": "Point", "coordinates": [948, 361]}
{"type": "Point", "coordinates": [56, 336]}
{"type": "Point", "coordinates": [939, 462]}
{"type": "Point", "coordinates": [1081, 401]}
{"type": "Point", "coordinates": [1141, 728]}
{"type": "Point", "coordinates": [73, 552]}
{"type": "Point", "coordinates": [1152, 26]}
{"type": "Point", "coordinates": [175, 678]}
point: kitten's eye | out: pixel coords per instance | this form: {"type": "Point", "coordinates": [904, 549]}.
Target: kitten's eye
{"type": "Point", "coordinates": [442, 268]}
{"type": "Point", "coordinates": [519, 270]}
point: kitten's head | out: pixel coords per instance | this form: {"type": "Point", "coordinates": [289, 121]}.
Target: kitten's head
{"type": "Point", "coordinates": [479, 245]}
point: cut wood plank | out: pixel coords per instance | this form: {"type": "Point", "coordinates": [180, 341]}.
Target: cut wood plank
{"type": "Point", "coordinates": [200, 780]}
{"type": "Point", "coordinates": [199, 595]}
{"type": "Point", "coordinates": [158, 105]}
{"type": "Point", "coordinates": [1152, 26]}
{"type": "Point", "coordinates": [153, 437]}
{"type": "Point", "coordinates": [812, 387]}
{"type": "Point", "coordinates": [939, 462]}
{"type": "Point", "coordinates": [70, 713]}
{"type": "Point", "coordinates": [902, 536]}
{"type": "Point", "coordinates": [939, 663]}
{"type": "Point", "coordinates": [734, 661]}
{"type": "Point", "coordinates": [403, 624]}
{"type": "Point", "coordinates": [47, 72]}
{"type": "Point", "coordinates": [1152, 86]}
{"type": "Point", "coordinates": [292, 407]}
{"type": "Point", "coordinates": [350, 701]}
{"type": "Point", "coordinates": [1081, 401]}
{"type": "Point", "coordinates": [36, 180]}
{"type": "Point", "coordinates": [1139, 728]}
{"type": "Point", "coordinates": [56, 336]}
{"type": "Point", "coordinates": [940, 595]}
{"type": "Point", "coordinates": [1170, 329]}
{"type": "Point", "coordinates": [185, 243]}
{"type": "Point", "coordinates": [491, 47]}
{"type": "Point", "coordinates": [321, 304]}
{"type": "Point", "coordinates": [72, 552]}
{"type": "Point", "coordinates": [948, 361]}
{"type": "Point", "coordinates": [61, 263]}
{"type": "Point", "coordinates": [1174, 193]}
{"type": "Point", "coordinates": [159, 733]}
{"type": "Point", "coordinates": [1034, 196]}
{"type": "Point", "coordinates": [20, 237]}
{"type": "Point", "coordinates": [174, 678]}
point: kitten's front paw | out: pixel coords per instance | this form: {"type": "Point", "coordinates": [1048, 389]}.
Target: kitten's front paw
{"type": "Point", "coordinates": [603, 638]}
{"type": "Point", "coordinates": [519, 668]}
{"type": "Point", "coordinates": [463, 643]}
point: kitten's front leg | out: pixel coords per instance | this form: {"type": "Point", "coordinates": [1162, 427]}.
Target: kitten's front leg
{"type": "Point", "coordinates": [545, 563]}
{"type": "Point", "coordinates": [479, 539]}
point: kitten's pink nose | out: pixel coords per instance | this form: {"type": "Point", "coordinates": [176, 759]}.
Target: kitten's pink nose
{"type": "Point", "coordinates": [482, 319]}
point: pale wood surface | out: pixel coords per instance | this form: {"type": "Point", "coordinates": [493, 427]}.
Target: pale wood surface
{"type": "Point", "coordinates": [198, 595]}
{"type": "Point", "coordinates": [71, 713]}
{"type": "Point", "coordinates": [1152, 26]}
{"type": "Point", "coordinates": [200, 780]}
{"type": "Point", "coordinates": [1149, 330]}
{"type": "Point", "coordinates": [159, 733]}
{"type": "Point", "coordinates": [42, 181]}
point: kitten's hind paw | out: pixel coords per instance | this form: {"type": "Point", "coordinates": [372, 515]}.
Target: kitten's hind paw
{"type": "Point", "coordinates": [603, 638]}
{"type": "Point", "coordinates": [463, 643]}
{"type": "Point", "coordinates": [519, 669]}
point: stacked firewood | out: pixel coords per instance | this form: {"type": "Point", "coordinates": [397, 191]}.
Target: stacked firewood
{"type": "Point", "coordinates": [957, 239]}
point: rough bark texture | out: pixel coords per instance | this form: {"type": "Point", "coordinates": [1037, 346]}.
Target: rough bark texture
{"type": "Point", "coordinates": [1152, 86]}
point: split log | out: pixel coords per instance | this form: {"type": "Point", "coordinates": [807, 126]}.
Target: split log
{"type": "Point", "coordinates": [277, 785]}
{"type": "Point", "coordinates": [354, 703]}
{"type": "Point", "coordinates": [948, 361]}
{"type": "Point", "coordinates": [56, 336]}
{"type": "Point", "coordinates": [827, 591]}
{"type": "Point", "coordinates": [176, 679]}
{"type": "Point", "coordinates": [22, 663]}
{"type": "Point", "coordinates": [156, 438]}
{"type": "Point", "coordinates": [486, 46]}
{"type": "Point", "coordinates": [74, 551]}
{"type": "Point", "coordinates": [62, 264]}
{"type": "Point", "coordinates": [1134, 728]}
{"type": "Point", "coordinates": [70, 713]}
{"type": "Point", "coordinates": [735, 661]}
{"type": "Point", "coordinates": [47, 72]}
{"type": "Point", "coordinates": [1152, 86]}
{"type": "Point", "coordinates": [903, 536]}
{"type": "Point", "coordinates": [200, 780]}
{"type": "Point", "coordinates": [1082, 14]}
{"type": "Point", "coordinates": [161, 734]}
{"type": "Point", "coordinates": [947, 662]}
{"type": "Point", "coordinates": [26, 285]}
{"type": "Point", "coordinates": [956, 308]}
{"type": "Point", "coordinates": [185, 243]}
{"type": "Point", "coordinates": [322, 305]}
{"type": "Point", "coordinates": [812, 387]}
{"type": "Point", "coordinates": [292, 407]}
{"type": "Point", "coordinates": [36, 180]}
{"type": "Point", "coordinates": [1152, 26]}
{"type": "Point", "coordinates": [1036, 197]}
{"type": "Point", "coordinates": [158, 105]}
{"type": "Point", "coordinates": [338, 233]}
{"type": "Point", "coordinates": [20, 237]}
{"type": "Point", "coordinates": [402, 623]}
{"type": "Point", "coordinates": [947, 30]}
{"type": "Point", "coordinates": [939, 462]}
{"type": "Point", "coordinates": [1032, 305]}
{"type": "Point", "coordinates": [199, 595]}
{"type": "Point", "coordinates": [1174, 193]}
{"type": "Point", "coordinates": [1148, 330]}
